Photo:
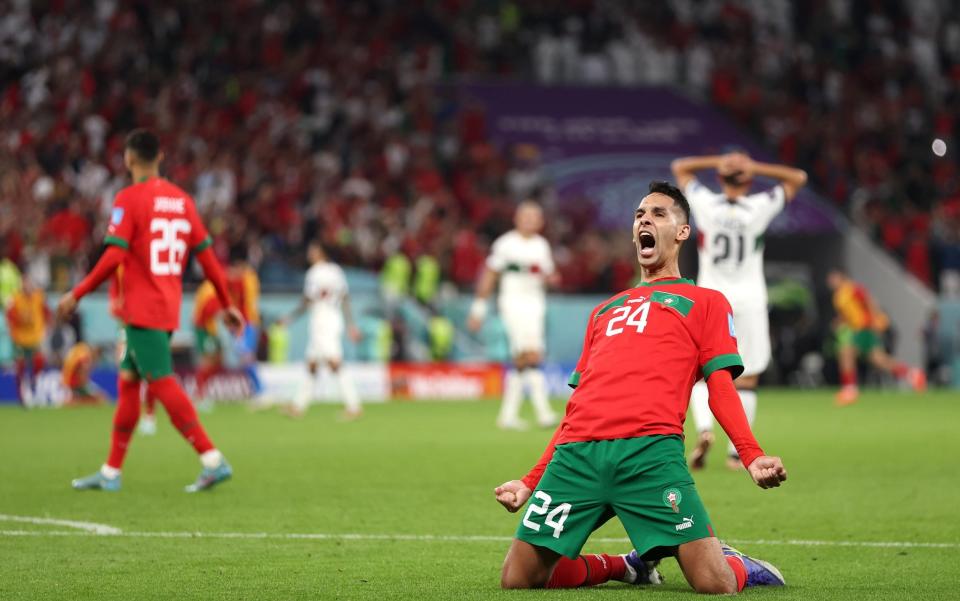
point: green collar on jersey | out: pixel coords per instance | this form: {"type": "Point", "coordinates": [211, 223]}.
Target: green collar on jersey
{"type": "Point", "coordinates": [673, 281]}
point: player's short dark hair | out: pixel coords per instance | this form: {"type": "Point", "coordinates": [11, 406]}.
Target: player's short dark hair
{"type": "Point", "coordinates": [661, 187]}
{"type": "Point", "coordinates": [144, 143]}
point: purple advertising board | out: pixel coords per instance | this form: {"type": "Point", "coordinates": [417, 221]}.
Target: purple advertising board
{"type": "Point", "coordinates": [604, 145]}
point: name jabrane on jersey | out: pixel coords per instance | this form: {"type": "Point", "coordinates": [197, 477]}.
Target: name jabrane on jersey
{"type": "Point", "coordinates": [167, 204]}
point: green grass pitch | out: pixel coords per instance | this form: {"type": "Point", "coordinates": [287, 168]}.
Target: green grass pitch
{"type": "Point", "coordinates": [882, 471]}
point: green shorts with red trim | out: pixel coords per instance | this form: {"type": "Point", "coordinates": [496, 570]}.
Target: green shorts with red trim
{"type": "Point", "coordinates": [643, 481]}
{"type": "Point", "coordinates": [147, 353]}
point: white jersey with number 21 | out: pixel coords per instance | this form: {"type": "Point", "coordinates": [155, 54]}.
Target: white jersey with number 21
{"type": "Point", "coordinates": [730, 238]}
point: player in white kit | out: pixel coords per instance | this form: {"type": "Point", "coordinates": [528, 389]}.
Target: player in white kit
{"type": "Point", "coordinates": [325, 295]}
{"type": "Point", "coordinates": [522, 260]}
{"type": "Point", "coordinates": [731, 226]}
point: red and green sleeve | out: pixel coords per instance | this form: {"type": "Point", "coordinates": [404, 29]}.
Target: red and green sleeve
{"type": "Point", "coordinates": [574, 380]}
{"type": "Point", "coordinates": [718, 341]}
{"type": "Point", "coordinates": [122, 222]}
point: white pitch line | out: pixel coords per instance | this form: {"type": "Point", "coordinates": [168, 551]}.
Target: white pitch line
{"type": "Point", "coordinates": [451, 538]}
{"type": "Point", "coordinates": [91, 527]}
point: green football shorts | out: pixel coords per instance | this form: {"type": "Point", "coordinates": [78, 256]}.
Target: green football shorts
{"type": "Point", "coordinates": [643, 481]}
{"type": "Point", "coordinates": [864, 340]}
{"type": "Point", "coordinates": [147, 353]}
{"type": "Point", "coordinates": [206, 343]}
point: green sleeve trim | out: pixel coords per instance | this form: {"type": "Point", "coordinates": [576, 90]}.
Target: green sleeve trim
{"type": "Point", "coordinates": [732, 362]}
{"type": "Point", "coordinates": [574, 380]}
{"type": "Point", "coordinates": [116, 241]}
{"type": "Point", "coordinates": [203, 245]}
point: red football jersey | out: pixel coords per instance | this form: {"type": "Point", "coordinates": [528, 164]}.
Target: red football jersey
{"type": "Point", "coordinates": [158, 224]}
{"type": "Point", "coordinates": [643, 350]}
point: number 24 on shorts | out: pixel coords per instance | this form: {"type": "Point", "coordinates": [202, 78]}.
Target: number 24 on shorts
{"type": "Point", "coordinates": [554, 519]}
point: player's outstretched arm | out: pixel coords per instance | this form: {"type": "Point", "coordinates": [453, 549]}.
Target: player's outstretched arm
{"type": "Point", "coordinates": [108, 263]}
{"type": "Point", "coordinates": [512, 495]}
{"type": "Point", "coordinates": [478, 310]}
{"type": "Point", "coordinates": [766, 471]}
{"type": "Point", "coordinates": [685, 169]}
{"type": "Point", "coordinates": [790, 178]}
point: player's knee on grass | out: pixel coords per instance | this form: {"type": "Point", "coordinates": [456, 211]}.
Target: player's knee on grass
{"type": "Point", "coordinates": [705, 568]}
{"type": "Point", "coordinates": [527, 566]}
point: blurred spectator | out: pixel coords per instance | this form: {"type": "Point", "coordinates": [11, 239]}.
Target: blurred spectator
{"type": "Point", "coordinates": [294, 119]}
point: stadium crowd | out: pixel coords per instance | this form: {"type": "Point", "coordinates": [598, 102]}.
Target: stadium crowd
{"type": "Point", "coordinates": [284, 118]}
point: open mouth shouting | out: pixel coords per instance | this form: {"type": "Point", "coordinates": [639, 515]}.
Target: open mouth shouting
{"type": "Point", "coordinates": [646, 242]}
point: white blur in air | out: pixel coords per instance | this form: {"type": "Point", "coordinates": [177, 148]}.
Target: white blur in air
{"type": "Point", "coordinates": [939, 147]}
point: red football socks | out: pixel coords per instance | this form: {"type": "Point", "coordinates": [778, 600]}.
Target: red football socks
{"type": "Point", "coordinates": [124, 420]}
{"type": "Point", "coordinates": [587, 570]}
{"type": "Point", "coordinates": [848, 378]}
{"type": "Point", "coordinates": [181, 412]}
{"type": "Point", "coordinates": [736, 564]}
{"type": "Point", "coordinates": [900, 370]}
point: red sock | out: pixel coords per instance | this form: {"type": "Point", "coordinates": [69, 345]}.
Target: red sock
{"type": "Point", "coordinates": [151, 404]}
{"type": "Point", "coordinates": [124, 420]}
{"type": "Point", "coordinates": [848, 378]}
{"type": "Point", "coordinates": [736, 564]}
{"type": "Point", "coordinates": [181, 412]}
{"type": "Point", "coordinates": [587, 570]}
{"type": "Point", "coordinates": [900, 370]}
{"type": "Point", "coordinates": [38, 363]}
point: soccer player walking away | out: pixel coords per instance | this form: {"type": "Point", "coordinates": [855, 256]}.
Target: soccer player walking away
{"type": "Point", "coordinates": [325, 293]}
{"type": "Point", "coordinates": [860, 324]}
{"type": "Point", "coordinates": [152, 227]}
{"type": "Point", "coordinates": [731, 227]}
{"type": "Point", "coordinates": [619, 449]}
{"type": "Point", "coordinates": [522, 260]}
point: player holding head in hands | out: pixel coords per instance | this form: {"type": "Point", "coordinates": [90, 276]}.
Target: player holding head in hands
{"type": "Point", "coordinates": [619, 449]}
{"type": "Point", "coordinates": [153, 227]}
{"type": "Point", "coordinates": [730, 228]}
{"type": "Point", "coordinates": [521, 259]}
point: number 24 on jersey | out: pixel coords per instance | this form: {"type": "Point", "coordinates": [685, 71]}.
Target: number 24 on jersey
{"type": "Point", "coordinates": [628, 317]}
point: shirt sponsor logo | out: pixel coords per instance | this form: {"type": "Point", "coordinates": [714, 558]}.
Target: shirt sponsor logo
{"type": "Point", "coordinates": [116, 216]}
{"type": "Point", "coordinates": [733, 331]}
{"type": "Point", "coordinates": [686, 523]}
{"type": "Point", "coordinates": [167, 204]}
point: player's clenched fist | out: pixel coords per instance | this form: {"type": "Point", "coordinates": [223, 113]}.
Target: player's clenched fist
{"type": "Point", "coordinates": [767, 472]}
{"type": "Point", "coordinates": [512, 494]}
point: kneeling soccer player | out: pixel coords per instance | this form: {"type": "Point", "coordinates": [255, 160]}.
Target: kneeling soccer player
{"type": "Point", "coordinates": [619, 449]}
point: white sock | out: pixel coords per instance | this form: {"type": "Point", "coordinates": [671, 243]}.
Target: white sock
{"type": "Point", "coordinates": [109, 472]}
{"type": "Point", "coordinates": [304, 391]}
{"type": "Point", "coordinates": [700, 407]}
{"type": "Point", "coordinates": [512, 396]}
{"type": "Point", "coordinates": [351, 400]}
{"type": "Point", "coordinates": [748, 398]}
{"type": "Point", "coordinates": [536, 383]}
{"type": "Point", "coordinates": [211, 459]}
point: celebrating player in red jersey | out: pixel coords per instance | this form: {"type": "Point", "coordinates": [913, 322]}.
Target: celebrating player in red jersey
{"type": "Point", "coordinates": [153, 226]}
{"type": "Point", "coordinates": [619, 449]}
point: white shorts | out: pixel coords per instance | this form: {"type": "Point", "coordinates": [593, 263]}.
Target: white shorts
{"type": "Point", "coordinates": [523, 321]}
{"type": "Point", "coordinates": [752, 324]}
{"type": "Point", "coordinates": [326, 340]}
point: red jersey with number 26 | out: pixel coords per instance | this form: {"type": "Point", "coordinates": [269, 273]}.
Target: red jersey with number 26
{"type": "Point", "coordinates": [158, 224]}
